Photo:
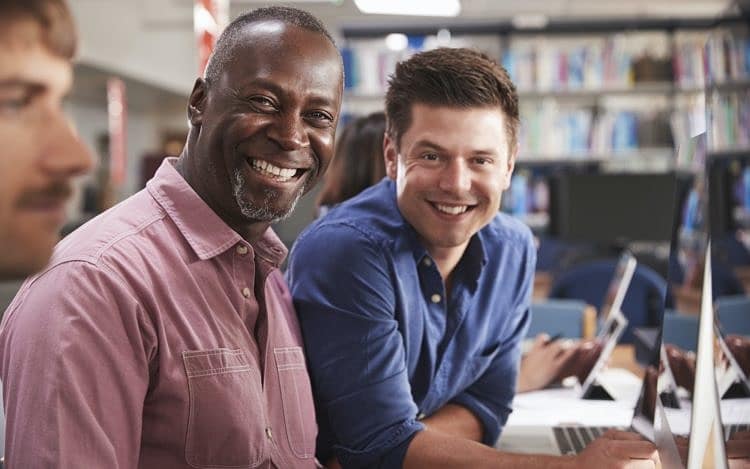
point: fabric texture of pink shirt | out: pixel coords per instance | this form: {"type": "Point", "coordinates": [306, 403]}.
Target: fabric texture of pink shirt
{"type": "Point", "coordinates": [157, 338]}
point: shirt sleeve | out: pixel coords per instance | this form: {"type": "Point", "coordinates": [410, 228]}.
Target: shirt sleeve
{"type": "Point", "coordinates": [490, 397]}
{"type": "Point", "coordinates": [342, 289]}
{"type": "Point", "coordinates": [74, 348]}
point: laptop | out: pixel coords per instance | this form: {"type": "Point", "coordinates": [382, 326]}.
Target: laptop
{"type": "Point", "coordinates": [547, 439]}
{"type": "Point", "coordinates": [618, 286]}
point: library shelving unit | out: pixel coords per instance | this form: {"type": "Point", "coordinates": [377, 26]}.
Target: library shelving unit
{"type": "Point", "coordinates": [621, 93]}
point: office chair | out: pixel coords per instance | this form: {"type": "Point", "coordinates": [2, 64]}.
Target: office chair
{"type": "Point", "coordinates": [680, 329]}
{"type": "Point", "coordinates": [734, 314]}
{"type": "Point", "coordinates": [644, 301]}
{"type": "Point", "coordinates": [570, 318]}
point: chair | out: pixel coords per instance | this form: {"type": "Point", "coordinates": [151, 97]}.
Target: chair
{"type": "Point", "coordinates": [734, 314]}
{"type": "Point", "coordinates": [569, 318]}
{"type": "Point", "coordinates": [681, 330]}
{"type": "Point", "coordinates": [643, 303]}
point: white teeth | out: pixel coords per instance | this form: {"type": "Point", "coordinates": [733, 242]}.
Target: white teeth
{"type": "Point", "coordinates": [280, 174]}
{"type": "Point", "coordinates": [452, 209]}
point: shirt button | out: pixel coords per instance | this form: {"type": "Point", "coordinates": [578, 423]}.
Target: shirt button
{"type": "Point", "coordinates": [427, 262]}
{"type": "Point", "coordinates": [269, 434]}
{"type": "Point", "coordinates": [421, 415]}
{"type": "Point", "coordinates": [435, 298]}
{"type": "Point", "coordinates": [241, 249]}
{"type": "Point", "coordinates": [246, 292]}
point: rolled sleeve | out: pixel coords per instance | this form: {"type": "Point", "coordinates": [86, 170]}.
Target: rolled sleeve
{"type": "Point", "coordinates": [490, 397]}
{"type": "Point", "coordinates": [345, 301]}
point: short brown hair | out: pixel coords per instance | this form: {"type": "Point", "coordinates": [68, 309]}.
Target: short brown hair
{"type": "Point", "coordinates": [453, 77]}
{"type": "Point", "coordinates": [53, 17]}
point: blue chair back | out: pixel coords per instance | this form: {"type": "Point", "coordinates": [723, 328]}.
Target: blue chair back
{"type": "Point", "coordinates": [734, 314]}
{"type": "Point", "coordinates": [681, 330]}
{"type": "Point", "coordinates": [643, 303]}
{"type": "Point", "coordinates": [565, 317]}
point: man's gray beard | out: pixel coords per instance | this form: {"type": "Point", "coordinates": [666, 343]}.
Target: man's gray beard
{"type": "Point", "coordinates": [265, 211]}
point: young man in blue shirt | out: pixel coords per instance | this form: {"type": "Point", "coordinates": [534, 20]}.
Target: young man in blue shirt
{"type": "Point", "coordinates": [414, 296]}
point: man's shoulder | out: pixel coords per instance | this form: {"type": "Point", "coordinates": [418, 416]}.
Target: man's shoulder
{"type": "Point", "coordinates": [371, 216]}
{"type": "Point", "coordinates": [507, 229]}
{"type": "Point", "coordinates": [102, 236]}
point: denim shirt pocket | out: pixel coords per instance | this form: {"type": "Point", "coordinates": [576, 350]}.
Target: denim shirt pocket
{"type": "Point", "coordinates": [227, 418]}
{"type": "Point", "coordinates": [296, 400]}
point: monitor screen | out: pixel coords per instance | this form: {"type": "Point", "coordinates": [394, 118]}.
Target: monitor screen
{"type": "Point", "coordinates": [613, 208]}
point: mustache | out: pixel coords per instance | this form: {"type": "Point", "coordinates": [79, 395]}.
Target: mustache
{"type": "Point", "coordinates": [54, 192]}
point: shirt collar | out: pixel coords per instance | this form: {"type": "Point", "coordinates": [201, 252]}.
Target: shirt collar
{"type": "Point", "coordinates": [206, 233]}
{"type": "Point", "coordinates": [475, 252]}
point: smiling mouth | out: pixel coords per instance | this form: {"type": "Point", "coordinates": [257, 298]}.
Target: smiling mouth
{"type": "Point", "coordinates": [452, 209]}
{"type": "Point", "coordinates": [277, 173]}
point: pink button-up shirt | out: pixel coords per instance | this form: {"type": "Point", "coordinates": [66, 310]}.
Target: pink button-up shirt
{"type": "Point", "coordinates": [157, 338]}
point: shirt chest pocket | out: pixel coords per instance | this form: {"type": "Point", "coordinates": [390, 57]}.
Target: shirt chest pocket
{"type": "Point", "coordinates": [296, 400]}
{"type": "Point", "coordinates": [227, 418]}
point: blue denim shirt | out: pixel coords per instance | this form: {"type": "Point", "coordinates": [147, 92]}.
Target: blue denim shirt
{"type": "Point", "coordinates": [385, 346]}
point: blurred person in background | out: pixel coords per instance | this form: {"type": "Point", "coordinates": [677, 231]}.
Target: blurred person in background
{"type": "Point", "coordinates": [358, 161]}
{"type": "Point", "coordinates": [41, 153]}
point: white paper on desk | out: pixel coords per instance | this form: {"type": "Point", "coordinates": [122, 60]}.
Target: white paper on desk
{"type": "Point", "coordinates": [562, 406]}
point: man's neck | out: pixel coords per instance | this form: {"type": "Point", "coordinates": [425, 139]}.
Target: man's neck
{"type": "Point", "coordinates": [446, 260]}
{"type": "Point", "coordinates": [251, 232]}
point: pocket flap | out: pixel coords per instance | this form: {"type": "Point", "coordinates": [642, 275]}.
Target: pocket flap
{"type": "Point", "coordinates": [210, 362]}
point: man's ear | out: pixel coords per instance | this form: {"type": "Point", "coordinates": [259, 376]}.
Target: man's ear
{"type": "Point", "coordinates": [197, 102]}
{"type": "Point", "coordinates": [511, 165]}
{"type": "Point", "coordinates": [390, 154]}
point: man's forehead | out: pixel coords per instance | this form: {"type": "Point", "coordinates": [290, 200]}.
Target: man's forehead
{"type": "Point", "coordinates": [35, 66]}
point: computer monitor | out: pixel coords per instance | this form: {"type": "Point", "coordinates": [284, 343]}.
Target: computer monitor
{"type": "Point", "coordinates": [613, 208]}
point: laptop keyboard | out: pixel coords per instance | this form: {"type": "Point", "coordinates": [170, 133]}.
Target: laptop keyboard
{"type": "Point", "coordinates": [573, 439]}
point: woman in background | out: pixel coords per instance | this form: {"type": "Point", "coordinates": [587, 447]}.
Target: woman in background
{"type": "Point", "coordinates": [357, 163]}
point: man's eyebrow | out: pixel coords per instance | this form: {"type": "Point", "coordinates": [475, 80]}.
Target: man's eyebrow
{"type": "Point", "coordinates": [425, 143]}
{"type": "Point", "coordinates": [316, 99]}
{"type": "Point", "coordinates": [20, 83]}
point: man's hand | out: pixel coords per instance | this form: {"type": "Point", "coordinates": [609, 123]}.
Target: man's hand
{"type": "Point", "coordinates": [682, 364]}
{"type": "Point", "coordinates": [740, 348]}
{"type": "Point", "coordinates": [583, 359]}
{"type": "Point", "coordinates": [543, 363]}
{"type": "Point", "coordinates": [617, 449]}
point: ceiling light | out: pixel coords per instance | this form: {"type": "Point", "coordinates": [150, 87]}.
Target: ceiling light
{"type": "Point", "coordinates": [530, 21]}
{"type": "Point", "coordinates": [410, 7]}
{"type": "Point", "coordinates": [396, 41]}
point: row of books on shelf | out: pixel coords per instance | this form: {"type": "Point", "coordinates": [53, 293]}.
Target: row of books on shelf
{"type": "Point", "coordinates": [582, 133]}
{"type": "Point", "coordinates": [727, 56]}
{"type": "Point", "coordinates": [728, 121]}
{"type": "Point", "coordinates": [594, 63]}
{"type": "Point", "coordinates": [598, 63]}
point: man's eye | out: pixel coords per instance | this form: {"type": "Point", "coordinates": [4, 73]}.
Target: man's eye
{"type": "Point", "coordinates": [320, 118]}
{"type": "Point", "coordinates": [480, 160]}
{"type": "Point", "coordinates": [263, 103]}
{"type": "Point", "coordinates": [430, 156]}
{"type": "Point", "coordinates": [13, 105]}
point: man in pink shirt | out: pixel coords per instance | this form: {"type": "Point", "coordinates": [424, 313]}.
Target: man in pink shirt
{"type": "Point", "coordinates": [40, 154]}
{"type": "Point", "coordinates": [162, 334]}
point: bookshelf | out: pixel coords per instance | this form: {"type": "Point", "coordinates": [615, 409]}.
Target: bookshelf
{"type": "Point", "coordinates": [593, 97]}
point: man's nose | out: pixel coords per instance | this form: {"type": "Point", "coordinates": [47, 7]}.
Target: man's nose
{"type": "Point", "coordinates": [65, 154]}
{"type": "Point", "coordinates": [289, 132]}
{"type": "Point", "coordinates": [455, 177]}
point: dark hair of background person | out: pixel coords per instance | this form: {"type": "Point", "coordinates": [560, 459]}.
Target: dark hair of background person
{"type": "Point", "coordinates": [228, 38]}
{"type": "Point", "coordinates": [358, 160]}
{"type": "Point", "coordinates": [451, 77]}
{"type": "Point", "coordinates": [54, 18]}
